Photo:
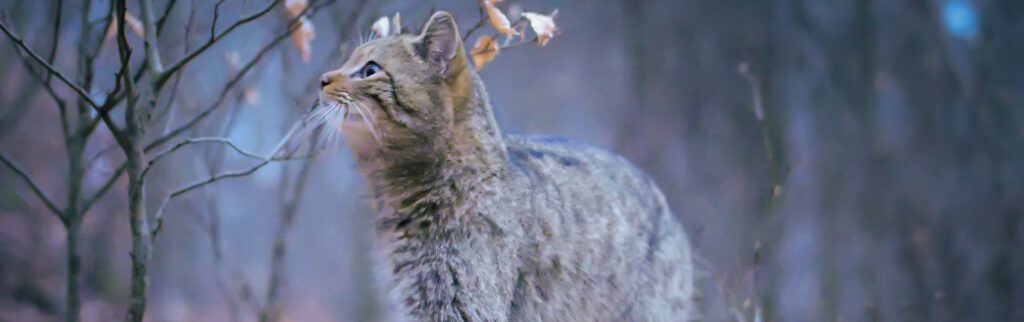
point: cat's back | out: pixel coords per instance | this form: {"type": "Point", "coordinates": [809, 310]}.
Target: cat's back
{"type": "Point", "coordinates": [549, 164]}
{"type": "Point", "coordinates": [598, 237]}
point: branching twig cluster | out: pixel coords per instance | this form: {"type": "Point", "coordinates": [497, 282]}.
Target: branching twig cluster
{"type": "Point", "coordinates": [139, 99]}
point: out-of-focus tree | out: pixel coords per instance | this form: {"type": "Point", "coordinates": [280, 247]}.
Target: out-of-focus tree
{"type": "Point", "coordinates": [139, 93]}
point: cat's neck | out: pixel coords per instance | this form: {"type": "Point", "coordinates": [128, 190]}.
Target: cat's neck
{"type": "Point", "coordinates": [424, 179]}
{"type": "Point", "coordinates": [426, 201]}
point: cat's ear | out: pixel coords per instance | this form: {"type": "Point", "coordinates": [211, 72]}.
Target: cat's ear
{"type": "Point", "coordinates": [440, 41]}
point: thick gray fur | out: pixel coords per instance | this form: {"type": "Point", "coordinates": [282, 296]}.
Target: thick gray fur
{"type": "Point", "coordinates": [477, 226]}
{"type": "Point", "coordinates": [552, 231]}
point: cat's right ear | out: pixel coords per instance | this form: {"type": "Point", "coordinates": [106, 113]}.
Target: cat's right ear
{"type": "Point", "coordinates": [439, 42]}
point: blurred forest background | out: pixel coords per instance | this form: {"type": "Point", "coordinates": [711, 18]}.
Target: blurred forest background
{"type": "Point", "coordinates": [840, 160]}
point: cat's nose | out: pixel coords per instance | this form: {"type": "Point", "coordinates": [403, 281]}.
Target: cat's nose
{"type": "Point", "coordinates": [325, 80]}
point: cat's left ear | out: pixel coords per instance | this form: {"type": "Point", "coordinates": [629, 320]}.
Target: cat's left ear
{"type": "Point", "coordinates": [440, 41]}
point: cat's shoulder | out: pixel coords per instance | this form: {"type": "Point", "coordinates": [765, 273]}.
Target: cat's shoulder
{"type": "Point", "coordinates": [559, 154]}
{"type": "Point", "coordinates": [560, 150]}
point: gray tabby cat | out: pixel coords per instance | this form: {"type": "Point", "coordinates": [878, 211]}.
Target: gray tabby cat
{"type": "Point", "coordinates": [483, 227]}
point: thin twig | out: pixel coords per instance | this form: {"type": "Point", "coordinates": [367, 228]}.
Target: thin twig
{"type": "Point", "coordinates": [32, 184]}
{"type": "Point", "coordinates": [163, 18]}
{"type": "Point", "coordinates": [479, 24]}
{"type": "Point", "coordinates": [779, 172]}
{"type": "Point", "coordinates": [214, 160]}
{"type": "Point", "coordinates": [41, 79]}
{"type": "Point", "coordinates": [180, 75]}
{"type": "Point", "coordinates": [271, 310]}
{"type": "Point", "coordinates": [159, 214]}
{"type": "Point", "coordinates": [17, 109]}
{"type": "Point", "coordinates": [170, 135]}
{"type": "Point", "coordinates": [54, 44]}
{"type": "Point", "coordinates": [521, 42]}
{"type": "Point", "coordinates": [184, 143]}
{"type": "Point", "coordinates": [55, 40]}
{"type": "Point", "coordinates": [103, 189]}
{"type": "Point", "coordinates": [150, 35]}
{"type": "Point", "coordinates": [162, 78]}
{"type": "Point", "coordinates": [21, 44]}
{"type": "Point", "coordinates": [509, 46]}
{"type": "Point", "coordinates": [235, 80]}
{"type": "Point", "coordinates": [216, 15]}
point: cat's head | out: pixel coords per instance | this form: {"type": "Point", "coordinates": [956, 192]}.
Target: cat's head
{"type": "Point", "coordinates": [399, 92]}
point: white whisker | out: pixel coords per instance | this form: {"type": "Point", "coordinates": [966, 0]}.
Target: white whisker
{"type": "Point", "coordinates": [365, 116]}
{"type": "Point", "coordinates": [324, 120]}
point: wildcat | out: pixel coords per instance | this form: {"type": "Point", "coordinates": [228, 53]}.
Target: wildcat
{"type": "Point", "coordinates": [477, 226]}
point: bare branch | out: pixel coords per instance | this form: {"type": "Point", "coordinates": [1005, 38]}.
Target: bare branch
{"type": "Point", "coordinates": [518, 44]}
{"type": "Point", "coordinates": [101, 109]}
{"type": "Point", "coordinates": [521, 42]}
{"type": "Point", "coordinates": [52, 70]}
{"type": "Point", "coordinates": [55, 40]}
{"type": "Point", "coordinates": [166, 74]}
{"type": "Point", "coordinates": [216, 15]}
{"type": "Point", "coordinates": [160, 23]}
{"type": "Point", "coordinates": [184, 143]}
{"type": "Point", "coordinates": [131, 143]}
{"type": "Point", "coordinates": [178, 76]}
{"type": "Point", "coordinates": [21, 104]}
{"type": "Point", "coordinates": [27, 62]}
{"type": "Point", "coordinates": [159, 215]}
{"type": "Point", "coordinates": [480, 23]}
{"type": "Point", "coordinates": [163, 18]}
{"type": "Point", "coordinates": [235, 80]}
{"type": "Point", "coordinates": [773, 153]}
{"type": "Point", "coordinates": [32, 184]}
{"type": "Point", "coordinates": [17, 109]}
{"type": "Point", "coordinates": [103, 189]}
{"type": "Point", "coordinates": [170, 135]}
{"type": "Point", "coordinates": [271, 310]}
{"type": "Point", "coordinates": [151, 42]}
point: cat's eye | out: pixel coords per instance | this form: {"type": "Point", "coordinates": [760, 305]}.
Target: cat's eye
{"type": "Point", "coordinates": [369, 69]}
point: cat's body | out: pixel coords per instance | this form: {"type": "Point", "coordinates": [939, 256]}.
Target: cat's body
{"type": "Point", "coordinates": [481, 227]}
{"type": "Point", "coordinates": [565, 233]}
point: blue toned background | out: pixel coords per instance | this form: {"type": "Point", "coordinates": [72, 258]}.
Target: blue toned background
{"type": "Point", "coordinates": [843, 160]}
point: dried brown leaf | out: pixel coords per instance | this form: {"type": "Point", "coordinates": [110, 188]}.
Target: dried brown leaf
{"type": "Point", "coordinates": [295, 7]}
{"type": "Point", "coordinates": [251, 96]}
{"type": "Point", "coordinates": [484, 51]}
{"type": "Point", "coordinates": [303, 38]}
{"type": "Point", "coordinates": [133, 23]}
{"type": "Point", "coordinates": [498, 19]}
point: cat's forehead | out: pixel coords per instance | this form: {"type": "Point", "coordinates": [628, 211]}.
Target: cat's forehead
{"type": "Point", "coordinates": [379, 49]}
{"type": "Point", "coordinates": [387, 51]}
{"type": "Point", "coordinates": [361, 55]}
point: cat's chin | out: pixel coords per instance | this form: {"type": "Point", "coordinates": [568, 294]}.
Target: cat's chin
{"type": "Point", "coordinates": [359, 139]}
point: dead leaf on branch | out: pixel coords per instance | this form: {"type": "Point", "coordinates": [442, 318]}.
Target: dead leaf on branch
{"type": "Point", "coordinates": [133, 23]}
{"type": "Point", "coordinates": [484, 51]}
{"type": "Point", "coordinates": [304, 33]}
{"type": "Point", "coordinates": [303, 37]}
{"type": "Point", "coordinates": [295, 7]}
{"type": "Point", "coordinates": [233, 59]}
{"type": "Point", "coordinates": [498, 19]}
{"type": "Point", "coordinates": [543, 25]}
{"type": "Point", "coordinates": [251, 96]}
